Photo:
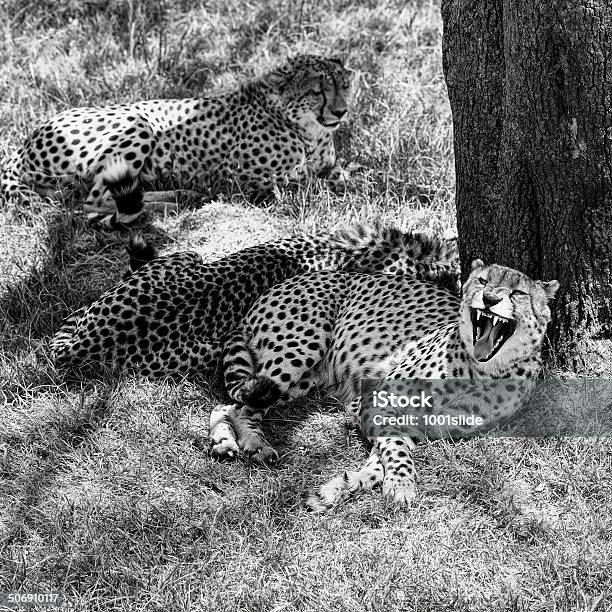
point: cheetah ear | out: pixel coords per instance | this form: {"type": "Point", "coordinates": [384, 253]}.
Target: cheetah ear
{"type": "Point", "coordinates": [275, 80]}
{"type": "Point", "coordinates": [477, 263]}
{"type": "Point", "coordinates": [550, 288]}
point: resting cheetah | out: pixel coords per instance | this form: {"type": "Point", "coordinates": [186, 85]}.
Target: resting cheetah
{"type": "Point", "coordinates": [278, 128]}
{"type": "Point", "coordinates": [170, 315]}
{"type": "Point", "coordinates": [332, 329]}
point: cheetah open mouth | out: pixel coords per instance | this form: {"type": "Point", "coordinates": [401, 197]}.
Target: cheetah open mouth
{"type": "Point", "coordinates": [490, 333]}
{"type": "Point", "coordinates": [330, 125]}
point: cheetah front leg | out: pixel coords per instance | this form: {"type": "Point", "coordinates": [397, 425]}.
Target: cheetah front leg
{"type": "Point", "coordinates": [390, 464]}
{"type": "Point", "coordinates": [326, 165]}
{"type": "Point", "coordinates": [399, 481]}
{"type": "Point", "coordinates": [395, 448]}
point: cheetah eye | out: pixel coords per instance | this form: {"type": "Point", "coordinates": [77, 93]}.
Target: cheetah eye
{"type": "Point", "coordinates": [483, 281]}
{"type": "Point", "coordinates": [518, 292]}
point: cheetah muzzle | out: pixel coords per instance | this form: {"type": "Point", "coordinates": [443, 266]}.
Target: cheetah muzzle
{"type": "Point", "coordinates": [490, 333]}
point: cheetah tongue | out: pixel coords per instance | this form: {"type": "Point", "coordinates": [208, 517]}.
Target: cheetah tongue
{"type": "Point", "coordinates": [489, 337]}
{"type": "Point", "coordinates": [483, 347]}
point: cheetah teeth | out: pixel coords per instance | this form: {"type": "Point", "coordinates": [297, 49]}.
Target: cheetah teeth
{"type": "Point", "coordinates": [496, 318]}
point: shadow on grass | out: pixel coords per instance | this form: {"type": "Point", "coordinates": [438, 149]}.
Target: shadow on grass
{"type": "Point", "coordinates": [58, 415]}
{"type": "Point", "coordinates": [35, 455]}
{"type": "Point", "coordinates": [55, 264]}
{"type": "Point", "coordinates": [73, 265]}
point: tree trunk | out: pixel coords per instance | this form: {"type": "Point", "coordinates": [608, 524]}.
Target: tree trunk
{"type": "Point", "coordinates": [530, 87]}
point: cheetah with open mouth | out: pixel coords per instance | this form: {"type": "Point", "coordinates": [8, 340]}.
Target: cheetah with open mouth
{"type": "Point", "coordinates": [333, 329]}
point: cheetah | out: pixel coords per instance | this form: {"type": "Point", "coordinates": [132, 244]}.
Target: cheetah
{"type": "Point", "coordinates": [275, 129]}
{"type": "Point", "coordinates": [331, 329]}
{"type": "Point", "coordinates": [169, 316]}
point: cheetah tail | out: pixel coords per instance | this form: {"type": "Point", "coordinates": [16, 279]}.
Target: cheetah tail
{"type": "Point", "coordinates": [63, 340]}
{"type": "Point", "coordinates": [140, 251]}
{"type": "Point", "coordinates": [258, 392]}
{"type": "Point", "coordinates": [379, 247]}
{"type": "Point", "coordinates": [241, 383]}
{"type": "Point", "coordinates": [123, 184]}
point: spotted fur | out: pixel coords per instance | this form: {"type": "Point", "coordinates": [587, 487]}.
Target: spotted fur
{"type": "Point", "coordinates": [170, 315]}
{"type": "Point", "coordinates": [331, 329]}
{"type": "Point", "coordinates": [276, 129]}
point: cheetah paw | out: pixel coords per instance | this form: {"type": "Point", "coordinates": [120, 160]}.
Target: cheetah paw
{"type": "Point", "coordinates": [340, 488]}
{"type": "Point", "coordinates": [265, 455]}
{"type": "Point", "coordinates": [258, 449]}
{"type": "Point", "coordinates": [401, 491]}
{"type": "Point", "coordinates": [328, 495]}
{"type": "Point", "coordinates": [224, 449]}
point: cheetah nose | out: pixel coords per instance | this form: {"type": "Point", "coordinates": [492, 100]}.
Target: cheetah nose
{"type": "Point", "coordinates": [490, 299]}
{"type": "Point", "coordinates": [339, 113]}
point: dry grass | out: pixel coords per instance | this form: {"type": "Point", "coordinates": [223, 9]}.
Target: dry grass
{"type": "Point", "coordinates": [106, 493]}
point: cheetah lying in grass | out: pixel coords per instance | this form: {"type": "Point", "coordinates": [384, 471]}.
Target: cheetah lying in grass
{"type": "Point", "coordinates": [278, 128]}
{"type": "Point", "coordinates": [331, 329]}
{"type": "Point", "coordinates": [170, 316]}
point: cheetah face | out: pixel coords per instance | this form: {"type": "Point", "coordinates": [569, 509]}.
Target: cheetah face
{"type": "Point", "coordinates": [313, 91]}
{"type": "Point", "coordinates": [504, 313]}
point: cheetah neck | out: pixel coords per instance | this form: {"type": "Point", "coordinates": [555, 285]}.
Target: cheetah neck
{"type": "Point", "coordinates": [269, 101]}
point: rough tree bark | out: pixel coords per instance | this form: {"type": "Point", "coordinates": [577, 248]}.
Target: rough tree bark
{"type": "Point", "coordinates": [530, 87]}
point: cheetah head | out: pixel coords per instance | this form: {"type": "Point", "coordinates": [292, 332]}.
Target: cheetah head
{"type": "Point", "coordinates": [504, 313]}
{"type": "Point", "coordinates": [312, 91]}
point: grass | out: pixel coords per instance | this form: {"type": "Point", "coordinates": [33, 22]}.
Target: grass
{"type": "Point", "coordinates": [107, 494]}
